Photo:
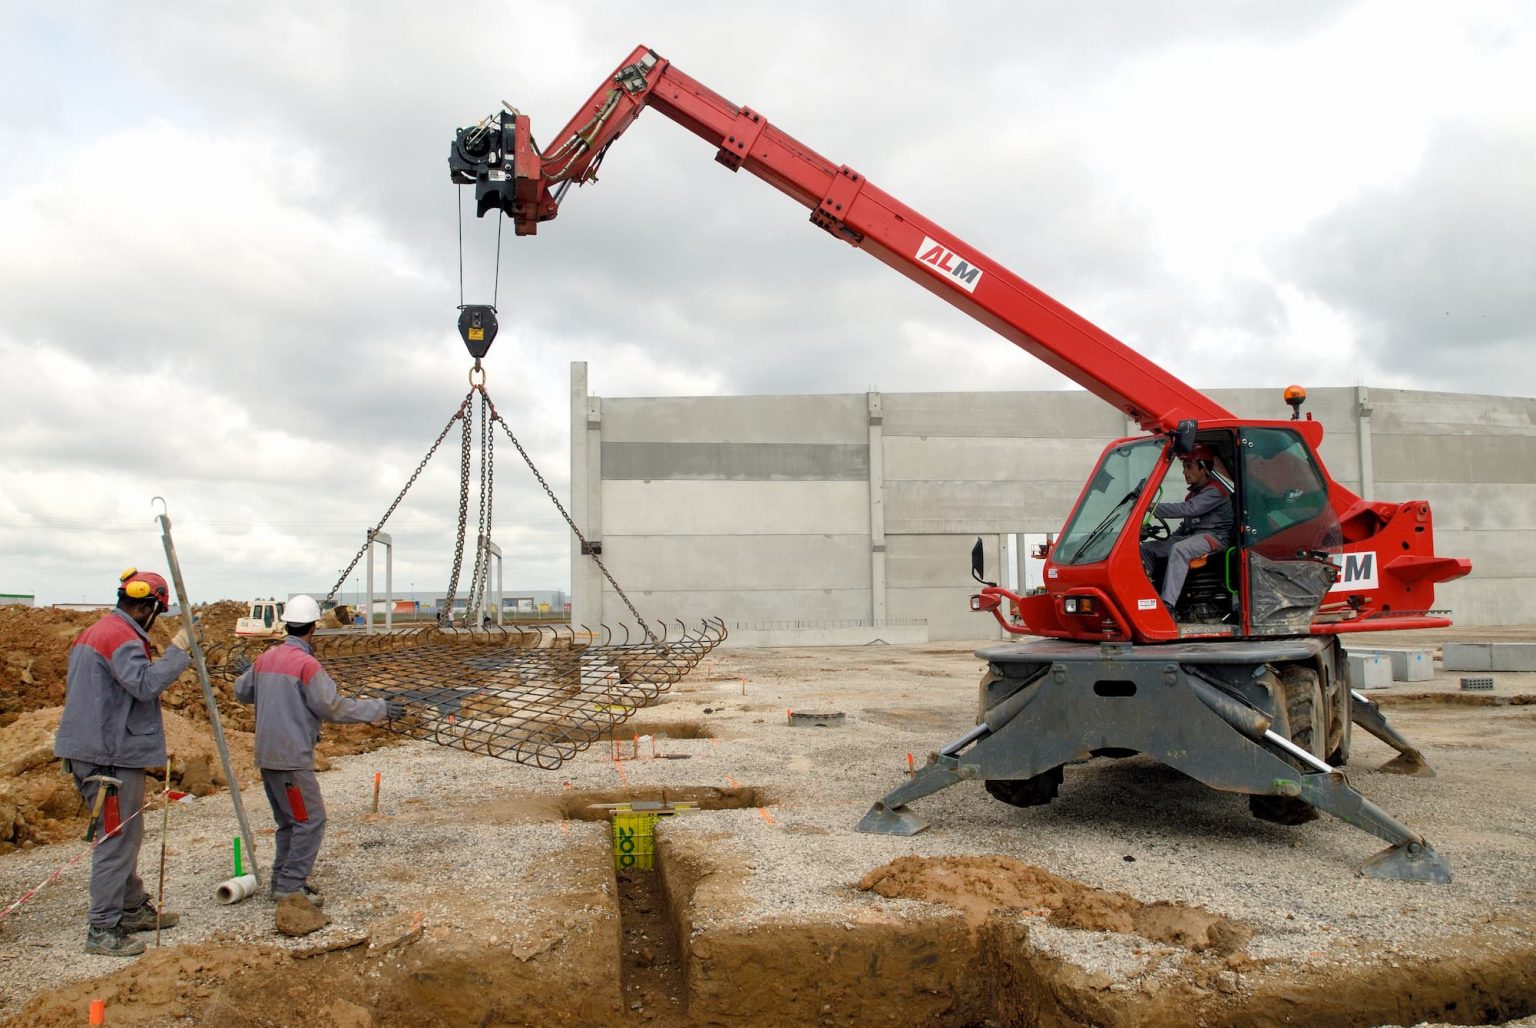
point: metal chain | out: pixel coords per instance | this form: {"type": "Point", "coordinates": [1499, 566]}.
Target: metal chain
{"type": "Point", "coordinates": [476, 599]}
{"type": "Point", "coordinates": [463, 408]}
{"type": "Point", "coordinates": [586, 547]}
{"type": "Point", "coordinates": [458, 548]}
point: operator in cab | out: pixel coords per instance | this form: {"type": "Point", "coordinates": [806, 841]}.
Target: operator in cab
{"type": "Point", "coordinates": [1207, 518]}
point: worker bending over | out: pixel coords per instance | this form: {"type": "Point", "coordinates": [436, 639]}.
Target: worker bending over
{"type": "Point", "coordinates": [1207, 516]}
{"type": "Point", "coordinates": [293, 694]}
{"type": "Point", "coordinates": [110, 731]}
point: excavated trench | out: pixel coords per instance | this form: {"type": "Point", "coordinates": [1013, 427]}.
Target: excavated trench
{"type": "Point", "coordinates": [996, 942]}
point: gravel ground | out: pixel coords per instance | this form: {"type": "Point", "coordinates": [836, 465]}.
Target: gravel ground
{"type": "Point", "coordinates": [472, 841]}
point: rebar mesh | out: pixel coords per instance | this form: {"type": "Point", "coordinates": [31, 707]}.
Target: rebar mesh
{"type": "Point", "coordinates": [535, 695]}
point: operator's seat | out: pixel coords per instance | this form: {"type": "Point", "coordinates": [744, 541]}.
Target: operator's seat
{"type": "Point", "coordinates": [1210, 591]}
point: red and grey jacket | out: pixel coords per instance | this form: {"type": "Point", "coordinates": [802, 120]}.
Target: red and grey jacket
{"type": "Point", "coordinates": [293, 694]}
{"type": "Point", "coordinates": [112, 696]}
{"type": "Point", "coordinates": [1206, 510]}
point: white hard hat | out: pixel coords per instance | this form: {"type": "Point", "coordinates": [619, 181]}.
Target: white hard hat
{"type": "Point", "coordinates": [301, 610]}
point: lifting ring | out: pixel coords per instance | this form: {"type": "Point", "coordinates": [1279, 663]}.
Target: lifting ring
{"type": "Point", "coordinates": [472, 383]}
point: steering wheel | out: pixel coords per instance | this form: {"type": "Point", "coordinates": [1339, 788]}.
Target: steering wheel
{"type": "Point", "coordinates": [1155, 526]}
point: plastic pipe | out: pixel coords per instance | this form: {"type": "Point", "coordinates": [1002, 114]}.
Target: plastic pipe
{"type": "Point", "coordinates": [236, 889]}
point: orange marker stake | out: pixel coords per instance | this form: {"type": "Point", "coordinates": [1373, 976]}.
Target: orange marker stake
{"type": "Point", "coordinates": [911, 766]}
{"type": "Point", "coordinates": [98, 1011]}
{"type": "Point", "coordinates": [743, 686]}
{"type": "Point", "coordinates": [634, 751]}
{"type": "Point", "coordinates": [376, 776]}
{"type": "Point", "coordinates": [788, 714]}
{"type": "Point", "coordinates": [763, 811]}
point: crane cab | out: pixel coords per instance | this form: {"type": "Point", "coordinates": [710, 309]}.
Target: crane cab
{"type": "Point", "coordinates": [1270, 576]}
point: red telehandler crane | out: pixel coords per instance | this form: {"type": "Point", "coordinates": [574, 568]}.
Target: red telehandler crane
{"type": "Point", "coordinates": [1244, 685]}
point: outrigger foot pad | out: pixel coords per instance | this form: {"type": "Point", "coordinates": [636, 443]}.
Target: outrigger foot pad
{"type": "Point", "coordinates": [1412, 861]}
{"type": "Point", "coordinates": [883, 820]}
{"type": "Point", "coordinates": [1408, 762]}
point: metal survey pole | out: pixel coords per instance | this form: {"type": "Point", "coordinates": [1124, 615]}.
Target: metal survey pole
{"type": "Point", "coordinates": [202, 677]}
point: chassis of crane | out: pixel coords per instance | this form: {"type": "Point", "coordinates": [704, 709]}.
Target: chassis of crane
{"type": "Point", "coordinates": [1222, 713]}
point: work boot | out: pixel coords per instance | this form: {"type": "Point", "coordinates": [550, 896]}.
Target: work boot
{"type": "Point", "coordinates": [314, 897]}
{"type": "Point", "coordinates": [142, 919]}
{"type": "Point", "coordinates": [111, 942]}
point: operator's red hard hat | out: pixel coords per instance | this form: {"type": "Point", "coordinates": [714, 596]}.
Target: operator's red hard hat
{"type": "Point", "coordinates": [141, 585]}
{"type": "Point", "coordinates": [1200, 452]}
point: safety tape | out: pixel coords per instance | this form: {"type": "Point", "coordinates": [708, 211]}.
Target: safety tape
{"type": "Point", "coordinates": [71, 862]}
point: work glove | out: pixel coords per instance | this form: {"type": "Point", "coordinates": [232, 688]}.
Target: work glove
{"type": "Point", "coordinates": [181, 640]}
{"type": "Point", "coordinates": [394, 710]}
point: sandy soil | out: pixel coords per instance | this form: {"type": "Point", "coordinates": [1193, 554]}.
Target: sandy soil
{"type": "Point", "coordinates": [484, 892]}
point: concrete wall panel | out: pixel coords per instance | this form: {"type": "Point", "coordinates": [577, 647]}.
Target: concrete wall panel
{"type": "Point", "coordinates": [736, 508]}
{"type": "Point", "coordinates": [741, 462]}
{"type": "Point", "coordinates": [1475, 460]}
{"type": "Point", "coordinates": [770, 508]}
{"type": "Point", "coordinates": [736, 419]}
{"type": "Point", "coordinates": [673, 563]}
{"type": "Point", "coordinates": [958, 508]}
{"type": "Point", "coordinates": [740, 605]}
{"type": "Point", "coordinates": [1041, 415]}
{"type": "Point", "coordinates": [926, 459]}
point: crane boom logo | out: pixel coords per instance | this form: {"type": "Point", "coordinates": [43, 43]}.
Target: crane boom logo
{"type": "Point", "coordinates": [951, 265]}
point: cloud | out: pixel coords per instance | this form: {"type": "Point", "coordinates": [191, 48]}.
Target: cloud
{"type": "Point", "coordinates": [1438, 272]}
{"type": "Point", "coordinates": [231, 263]}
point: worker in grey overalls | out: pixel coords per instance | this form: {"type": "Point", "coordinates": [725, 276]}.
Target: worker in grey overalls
{"type": "Point", "coordinates": [110, 731]}
{"type": "Point", "coordinates": [293, 695]}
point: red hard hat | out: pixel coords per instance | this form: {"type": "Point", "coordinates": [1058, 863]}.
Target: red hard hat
{"type": "Point", "coordinates": [141, 585]}
{"type": "Point", "coordinates": [1200, 452]}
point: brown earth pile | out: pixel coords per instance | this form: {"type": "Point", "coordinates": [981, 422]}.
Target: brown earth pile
{"type": "Point", "coordinates": [978, 885]}
{"type": "Point", "coordinates": [38, 804]}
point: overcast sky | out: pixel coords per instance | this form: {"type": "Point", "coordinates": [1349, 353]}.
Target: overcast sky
{"type": "Point", "coordinates": [229, 265]}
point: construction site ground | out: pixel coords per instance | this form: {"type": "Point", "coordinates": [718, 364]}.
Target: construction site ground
{"type": "Point", "coordinates": [484, 892]}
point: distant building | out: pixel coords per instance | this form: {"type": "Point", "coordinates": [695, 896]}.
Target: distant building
{"type": "Point", "coordinates": [18, 599]}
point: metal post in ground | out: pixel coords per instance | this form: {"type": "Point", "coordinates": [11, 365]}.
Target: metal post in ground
{"type": "Point", "coordinates": [202, 677]}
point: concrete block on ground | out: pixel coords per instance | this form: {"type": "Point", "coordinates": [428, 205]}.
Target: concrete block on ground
{"type": "Point", "coordinates": [1408, 665]}
{"type": "Point", "coordinates": [1369, 671]}
{"type": "Point", "coordinates": [1513, 656]}
{"type": "Point", "coordinates": [1467, 656]}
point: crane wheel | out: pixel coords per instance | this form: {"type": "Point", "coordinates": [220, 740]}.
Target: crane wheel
{"type": "Point", "coordinates": [1026, 792]}
{"type": "Point", "coordinates": [1307, 720]}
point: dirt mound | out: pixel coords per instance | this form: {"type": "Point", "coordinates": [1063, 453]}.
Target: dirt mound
{"type": "Point", "coordinates": [39, 804]}
{"type": "Point", "coordinates": [978, 885]}
{"type": "Point", "coordinates": [34, 662]}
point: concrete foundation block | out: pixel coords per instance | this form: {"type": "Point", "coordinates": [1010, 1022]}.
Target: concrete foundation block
{"type": "Point", "coordinates": [1408, 665]}
{"type": "Point", "coordinates": [1467, 656]}
{"type": "Point", "coordinates": [1369, 671]}
{"type": "Point", "coordinates": [1513, 657]}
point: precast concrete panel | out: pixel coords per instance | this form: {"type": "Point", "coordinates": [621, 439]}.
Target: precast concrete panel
{"type": "Point", "coordinates": [1404, 412]}
{"type": "Point", "coordinates": [741, 605]}
{"type": "Point", "coordinates": [942, 561]}
{"type": "Point", "coordinates": [948, 613]}
{"type": "Point", "coordinates": [957, 508]}
{"type": "Point", "coordinates": [1505, 507]}
{"type": "Point", "coordinates": [1035, 415]}
{"type": "Point", "coordinates": [736, 508]}
{"type": "Point", "coordinates": [1493, 554]}
{"type": "Point", "coordinates": [736, 419]}
{"type": "Point", "coordinates": [758, 562]}
{"type": "Point", "coordinates": [737, 493]}
{"type": "Point", "coordinates": [1487, 601]}
{"type": "Point", "coordinates": [739, 462]}
{"type": "Point", "coordinates": [1485, 459]}
{"type": "Point", "coordinates": [950, 458]}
